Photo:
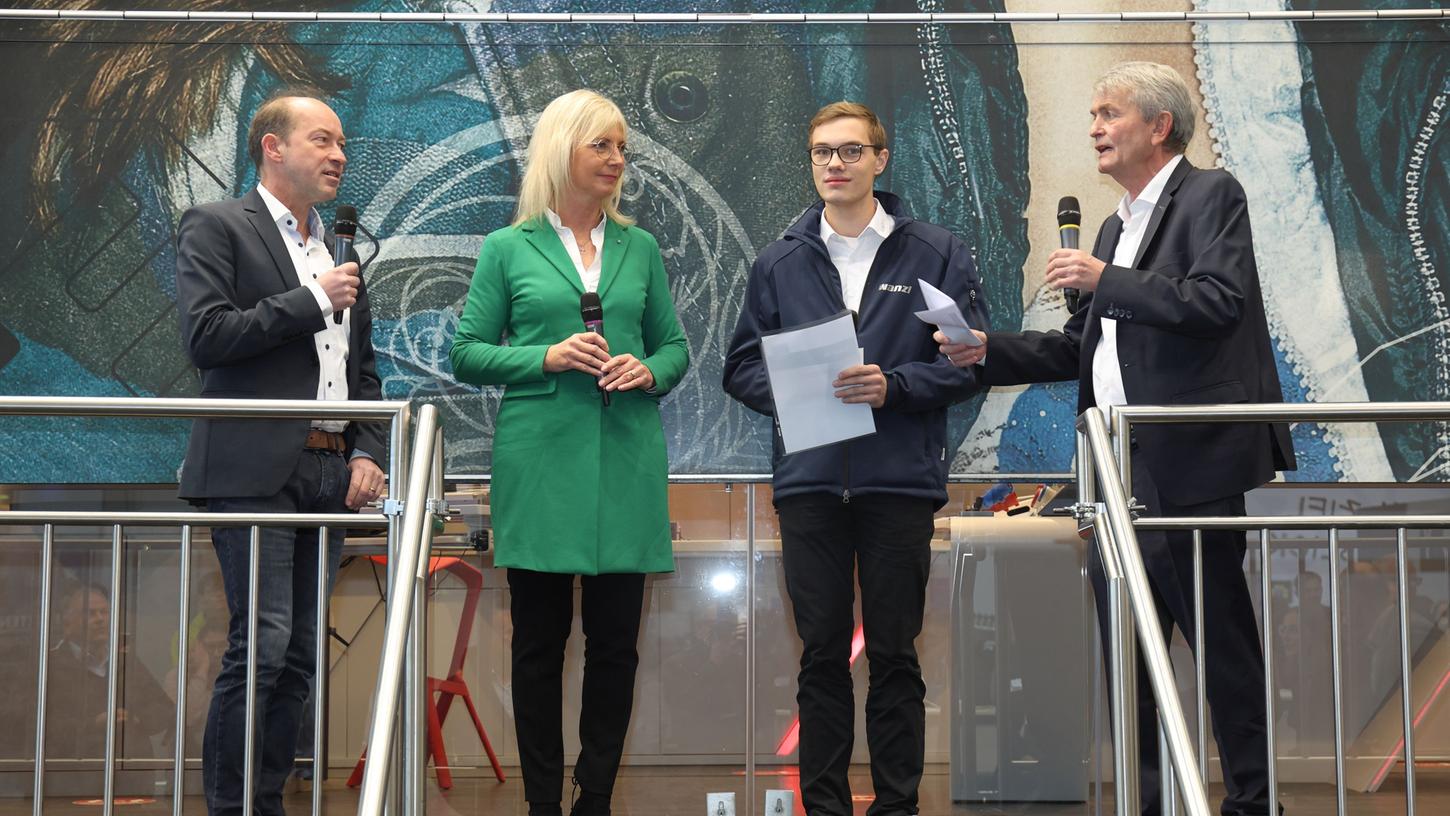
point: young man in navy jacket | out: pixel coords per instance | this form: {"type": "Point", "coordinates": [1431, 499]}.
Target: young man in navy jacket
{"type": "Point", "coordinates": [864, 505]}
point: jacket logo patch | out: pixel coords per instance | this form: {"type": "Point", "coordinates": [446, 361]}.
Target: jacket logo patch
{"type": "Point", "coordinates": [898, 288]}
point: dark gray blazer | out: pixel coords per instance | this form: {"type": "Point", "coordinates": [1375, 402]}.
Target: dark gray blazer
{"type": "Point", "coordinates": [1191, 331]}
{"type": "Point", "coordinates": [248, 327]}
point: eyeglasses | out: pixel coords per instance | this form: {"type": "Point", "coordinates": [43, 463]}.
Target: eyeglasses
{"type": "Point", "coordinates": [849, 153]}
{"type": "Point", "coordinates": [604, 148]}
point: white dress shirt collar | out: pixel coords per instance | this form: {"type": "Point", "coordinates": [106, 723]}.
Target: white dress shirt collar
{"type": "Point", "coordinates": [1128, 206]}
{"type": "Point", "coordinates": [881, 224]}
{"type": "Point", "coordinates": [589, 276]}
{"type": "Point", "coordinates": [283, 217]}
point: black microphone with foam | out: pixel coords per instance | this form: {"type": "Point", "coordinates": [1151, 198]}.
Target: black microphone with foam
{"type": "Point", "coordinates": [1069, 226]}
{"type": "Point", "coordinates": [344, 230]}
{"type": "Point", "coordinates": [592, 312]}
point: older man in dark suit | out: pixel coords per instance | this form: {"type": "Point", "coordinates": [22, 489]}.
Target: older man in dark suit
{"type": "Point", "coordinates": [1171, 314]}
{"type": "Point", "coordinates": [259, 293]}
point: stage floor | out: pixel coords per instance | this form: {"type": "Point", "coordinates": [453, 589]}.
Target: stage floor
{"type": "Point", "coordinates": [680, 791]}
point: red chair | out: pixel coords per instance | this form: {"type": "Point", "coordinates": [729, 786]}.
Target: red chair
{"type": "Point", "coordinates": [453, 685]}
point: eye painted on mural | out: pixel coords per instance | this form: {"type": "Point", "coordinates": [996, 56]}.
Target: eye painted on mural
{"type": "Point", "coordinates": [682, 97]}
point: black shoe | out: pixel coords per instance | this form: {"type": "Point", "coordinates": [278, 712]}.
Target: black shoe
{"type": "Point", "coordinates": [590, 804]}
{"type": "Point", "coordinates": [545, 809]}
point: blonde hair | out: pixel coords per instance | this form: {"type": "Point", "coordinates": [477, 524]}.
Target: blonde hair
{"type": "Point", "coordinates": [571, 120]}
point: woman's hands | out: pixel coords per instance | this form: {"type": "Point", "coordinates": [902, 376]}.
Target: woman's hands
{"type": "Point", "coordinates": [589, 352]}
{"type": "Point", "coordinates": [626, 372]}
{"type": "Point", "coordinates": [585, 351]}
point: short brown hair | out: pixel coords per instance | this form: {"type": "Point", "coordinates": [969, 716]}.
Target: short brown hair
{"type": "Point", "coordinates": [275, 116]}
{"type": "Point", "coordinates": [849, 110]}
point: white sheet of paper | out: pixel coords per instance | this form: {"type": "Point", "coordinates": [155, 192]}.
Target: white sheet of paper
{"type": "Point", "coordinates": [941, 311]}
{"type": "Point", "coordinates": [801, 364]}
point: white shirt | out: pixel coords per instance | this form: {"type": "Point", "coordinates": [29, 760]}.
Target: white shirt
{"type": "Point", "coordinates": [310, 259]}
{"type": "Point", "coordinates": [853, 257]}
{"type": "Point", "coordinates": [1108, 387]}
{"type": "Point", "coordinates": [589, 276]}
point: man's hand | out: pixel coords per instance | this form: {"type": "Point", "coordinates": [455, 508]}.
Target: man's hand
{"type": "Point", "coordinates": [625, 372]}
{"type": "Point", "coordinates": [340, 285]}
{"type": "Point", "coordinates": [1073, 269]}
{"type": "Point", "coordinates": [862, 383]}
{"type": "Point", "coordinates": [962, 355]}
{"type": "Point", "coordinates": [586, 352]}
{"type": "Point", "coordinates": [366, 483]}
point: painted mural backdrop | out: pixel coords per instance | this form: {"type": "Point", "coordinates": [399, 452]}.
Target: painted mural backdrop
{"type": "Point", "coordinates": [111, 131]}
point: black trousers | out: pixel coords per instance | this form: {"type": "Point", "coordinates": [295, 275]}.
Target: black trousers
{"type": "Point", "coordinates": [1234, 661]}
{"type": "Point", "coordinates": [542, 606]}
{"type": "Point", "coordinates": [886, 542]}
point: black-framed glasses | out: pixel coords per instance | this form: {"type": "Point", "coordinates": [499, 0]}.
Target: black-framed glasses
{"type": "Point", "coordinates": [849, 153]}
{"type": "Point", "coordinates": [604, 148]}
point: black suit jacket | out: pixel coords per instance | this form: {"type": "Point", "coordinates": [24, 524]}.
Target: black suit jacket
{"type": "Point", "coordinates": [248, 326]}
{"type": "Point", "coordinates": [1191, 331]}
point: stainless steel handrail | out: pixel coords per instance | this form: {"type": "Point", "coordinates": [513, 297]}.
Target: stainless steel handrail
{"type": "Point", "coordinates": [398, 413]}
{"type": "Point", "coordinates": [408, 569]}
{"type": "Point", "coordinates": [1122, 545]}
{"type": "Point", "coordinates": [1123, 420]}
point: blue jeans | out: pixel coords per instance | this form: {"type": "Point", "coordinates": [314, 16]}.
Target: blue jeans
{"type": "Point", "coordinates": [286, 635]}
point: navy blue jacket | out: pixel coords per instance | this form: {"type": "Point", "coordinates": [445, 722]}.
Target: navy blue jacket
{"type": "Point", "coordinates": [793, 282]}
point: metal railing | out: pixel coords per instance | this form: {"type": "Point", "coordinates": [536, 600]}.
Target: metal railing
{"type": "Point", "coordinates": [682, 18]}
{"type": "Point", "coordinates": [1105, 483]}
{"type": "Point", "coordinates": [417, 473]}
{"type": "Point", "coordinates": [404, 640]}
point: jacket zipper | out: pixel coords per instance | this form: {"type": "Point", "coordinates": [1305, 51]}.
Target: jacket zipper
{"type": "Point", "coordinates": [846, 477]}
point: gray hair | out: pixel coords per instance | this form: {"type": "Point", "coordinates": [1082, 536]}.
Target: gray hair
{"type": "Point", "coordinates": [1154, 88]}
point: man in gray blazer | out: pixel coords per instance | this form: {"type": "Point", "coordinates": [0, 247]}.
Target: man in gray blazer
{"type": "Point", "coordinates": [266, 313]}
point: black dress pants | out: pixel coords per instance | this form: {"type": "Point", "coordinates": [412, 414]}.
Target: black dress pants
{"type": "Point", "coordinates": [1234, 661]}
{"type": "Point", "coordinates": [542, 606]}
{"type": "Point", "coordinates": [886, 542]}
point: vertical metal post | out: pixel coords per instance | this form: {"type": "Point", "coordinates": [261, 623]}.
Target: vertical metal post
{"type": "Point", "coordinates": [400, 459]}
{"type": "Point", "coordinates": [1123, 446]}
{"type": "Point", "coordinates": [1200, 662]}
{"type": "Point", "coordinates": [1087, 495]}
{"type": "Point", "coordinates": [1336, 672]}
{"type": "Point", "coordinates": [415, 666]}
{"type": "Point", "coordinates": [1266, 581]}
{"type": "Point", "coordinates": [1406, 699]}
{"type": "Point", "coordinates": [1152, 641]}
{"type": "Point", "coordinates": [113, 670]}
{"type": "Point", "coordinates": [379, 790]}
{"type": "Point", "coordinates": [249, 742]}
{"type": "Point", "coordinates": [183, 670]}
{"type": "Point", "coordinates": [750, 550]}
{"type": "Point", "coordinates": [319, 674]}
{"type": "Point", "coordinates": [1087, 485]}
{"type": "Point", "coordinates": [47, 545]}
{"type": "Point", "coordinates": [1096, 715]}
{"type": "Point", "coordinates": [1167, 782]}
{"type": "Point", "coordinates": [1122, 675]}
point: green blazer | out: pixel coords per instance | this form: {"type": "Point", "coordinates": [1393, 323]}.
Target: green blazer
{"type": "Point", "coordinates": [577, 487]}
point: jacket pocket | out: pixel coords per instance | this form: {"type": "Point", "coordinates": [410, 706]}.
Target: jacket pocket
{"type": "Point", "coordinates": [1224, 392]}
{"type": "Point", "coordinates": [532, 389]}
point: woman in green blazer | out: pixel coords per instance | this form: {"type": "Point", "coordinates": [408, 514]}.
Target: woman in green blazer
{"type": "Point", "coordinates": [579, 486]}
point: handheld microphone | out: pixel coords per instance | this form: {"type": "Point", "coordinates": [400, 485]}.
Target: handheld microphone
{"type": "Point", "coordinates": [344, 229]}
{"type": "Point", "coordinates": [592, 312]}
{"type": "Point", "coordinates": [1069, 225]}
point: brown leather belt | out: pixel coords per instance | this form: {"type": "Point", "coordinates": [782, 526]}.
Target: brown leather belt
{"type": "Point", "coordinates": [325, 440]}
